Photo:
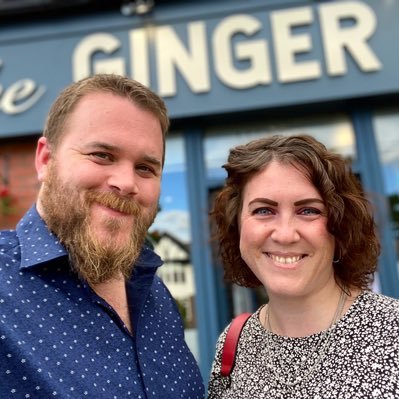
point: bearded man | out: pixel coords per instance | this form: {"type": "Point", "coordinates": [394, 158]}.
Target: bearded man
{"type": "Point", "coordinates": [82, 312]}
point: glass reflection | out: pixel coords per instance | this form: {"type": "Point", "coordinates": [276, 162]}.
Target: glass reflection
{"type": "Point", "coordinates": [171, 237]}
{"type": "Point", "coordinates": [386, 125]}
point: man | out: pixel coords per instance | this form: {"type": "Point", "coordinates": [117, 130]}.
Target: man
{"type": "Point", "coordinates": [82, 313]}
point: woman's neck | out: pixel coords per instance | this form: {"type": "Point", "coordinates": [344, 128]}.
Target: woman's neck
{"type": "Point", "coordinates": [300, 317]}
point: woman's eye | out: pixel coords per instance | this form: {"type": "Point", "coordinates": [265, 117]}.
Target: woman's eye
{"type": "Point", "coordinates": [310, 211]}
{"type": "Point", "coordinates": [262, 211]}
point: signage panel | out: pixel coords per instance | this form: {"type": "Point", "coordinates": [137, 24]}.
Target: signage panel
{"type": "Point", "coordinates": [249, 58]}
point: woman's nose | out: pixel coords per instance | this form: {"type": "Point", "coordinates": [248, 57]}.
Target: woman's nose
{"type": "Point", "coordinates": [285, 230]}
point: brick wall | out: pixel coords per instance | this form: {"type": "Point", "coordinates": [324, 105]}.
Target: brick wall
{"type": "Point", "coordinates": [18, 174]}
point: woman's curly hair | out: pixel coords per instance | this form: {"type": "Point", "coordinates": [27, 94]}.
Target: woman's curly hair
{"type": "Point", "coordinates": [349, 215]}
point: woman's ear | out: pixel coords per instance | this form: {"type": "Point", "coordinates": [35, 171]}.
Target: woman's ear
{"type": "Point", "coordinates": [43, 156]}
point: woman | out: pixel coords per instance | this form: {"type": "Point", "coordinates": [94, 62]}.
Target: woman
{"type": "Point", "coordinates": [293, 218]}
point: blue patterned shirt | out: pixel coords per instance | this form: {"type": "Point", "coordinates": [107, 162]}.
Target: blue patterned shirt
{"type": "Point", "coordinates": [59, 339]}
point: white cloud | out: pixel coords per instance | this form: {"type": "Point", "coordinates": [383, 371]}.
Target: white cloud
{"type": "Point", "coordinates": [175, 222]}
{"type": "Point", "coordinates": [168, 199]}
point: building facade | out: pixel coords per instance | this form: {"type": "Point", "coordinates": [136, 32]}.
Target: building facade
{"type": "Point", "coordinates": [229, 71]}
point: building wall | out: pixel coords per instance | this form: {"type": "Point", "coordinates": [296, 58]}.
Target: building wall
{"type": "Point", "coordinates": [178, 275]}
{"type": "Point", "coordinates": [18, 176]}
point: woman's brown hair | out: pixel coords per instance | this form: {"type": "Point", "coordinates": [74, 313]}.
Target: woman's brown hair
{"type": "Point", "coordinates": [350, 219]}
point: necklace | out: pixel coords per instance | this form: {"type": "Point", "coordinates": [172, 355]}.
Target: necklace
{"type": "Point", "coordinates": [320, 349]}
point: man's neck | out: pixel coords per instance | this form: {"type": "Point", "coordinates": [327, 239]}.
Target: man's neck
{"type": "Point", "coordinates": [114, 293]}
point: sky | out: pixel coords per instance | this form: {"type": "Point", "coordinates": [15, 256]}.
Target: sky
{"type": "Point", "coordinates": [174, 215]}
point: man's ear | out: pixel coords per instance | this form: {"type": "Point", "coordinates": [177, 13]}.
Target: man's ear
{"type": "Point", "coordinates": [43, 156]}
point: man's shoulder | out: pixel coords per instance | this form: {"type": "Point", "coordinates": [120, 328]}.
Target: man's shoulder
{"type": "Point", "coordinates": [10, 254]}
{"type": "Point", "coordinates": [31, 243]}
{"type": "Point", "coordinates": [6, 234]}
{"type": "Point", "coordinates": [160, 296]}
{"type": "Point", "coordinates": [8, 242]}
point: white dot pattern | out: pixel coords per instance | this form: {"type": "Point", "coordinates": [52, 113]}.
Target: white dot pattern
{"type": "Point", "coordinates": [59, 339]}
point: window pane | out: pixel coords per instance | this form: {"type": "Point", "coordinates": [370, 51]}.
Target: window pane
{"type": "Point", "coordinates": [386, 125]}
{"type": "Point", "coordinates": [172, 239]}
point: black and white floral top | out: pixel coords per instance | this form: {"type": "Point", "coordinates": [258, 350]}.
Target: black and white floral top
{"type": "Point", "coordinates": [360, 360]}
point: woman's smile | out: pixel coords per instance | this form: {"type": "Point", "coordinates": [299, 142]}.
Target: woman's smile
{"type": "Point", "coordinates": [285, 259]}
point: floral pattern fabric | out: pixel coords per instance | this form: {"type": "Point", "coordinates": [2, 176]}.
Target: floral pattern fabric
{"type": "Point", "coordinates": [361, 359]}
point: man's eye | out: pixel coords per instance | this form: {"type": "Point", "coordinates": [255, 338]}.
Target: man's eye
{"type": "Point", "coordinates": [146, 169]}
{"type": "Point", "coordinates": [102, 155]}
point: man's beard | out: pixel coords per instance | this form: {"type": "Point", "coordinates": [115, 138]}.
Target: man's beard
{"type": "Point", "coordinates": [67, 214]}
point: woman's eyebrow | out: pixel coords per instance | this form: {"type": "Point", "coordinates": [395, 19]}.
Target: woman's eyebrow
{"type": "Point", "coordinates": [264, 201]}
{"type": "Point", "coordinates": [308, 201]}
{"type": "Point", "coordinates": [296, 203]}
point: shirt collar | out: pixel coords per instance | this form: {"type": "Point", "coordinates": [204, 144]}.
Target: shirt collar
{"type": "Point", "coordinates": [38, 244]}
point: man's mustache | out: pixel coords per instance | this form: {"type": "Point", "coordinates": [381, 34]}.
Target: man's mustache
{"type": "Point", "coordinates": [114, 201]}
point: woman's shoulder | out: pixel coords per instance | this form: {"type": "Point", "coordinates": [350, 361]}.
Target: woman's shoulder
{"type": "Point", "coordinates": [252, 324]}
{"type": "Point", "coordinates": [379, 300]}
{"type": "Point", "coordinates": [376, 307]}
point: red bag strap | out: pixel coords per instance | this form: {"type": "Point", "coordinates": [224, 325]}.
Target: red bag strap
{"type": "Point", "coordinates": [231, 342]}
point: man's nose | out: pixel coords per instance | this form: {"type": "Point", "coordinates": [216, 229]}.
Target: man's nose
{"type": "Point", "coordinates": [123, 180]}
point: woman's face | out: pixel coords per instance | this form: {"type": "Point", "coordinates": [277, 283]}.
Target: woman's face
{"type": "Point", "coordinates": [283, 232]}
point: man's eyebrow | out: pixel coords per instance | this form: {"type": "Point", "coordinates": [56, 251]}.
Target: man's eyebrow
{"type": "Point", "coordinates": [297, 203]}
{"type": "Point", "coordinates": [153, 160]}
{"type": "Point", "coordinates": [103, 146]}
